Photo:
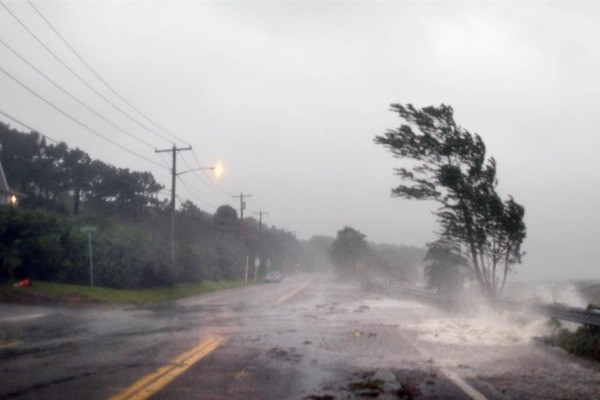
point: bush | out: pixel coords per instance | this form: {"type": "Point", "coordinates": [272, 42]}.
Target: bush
{"type": "Point", "coordinates": [40, 245]}
{"type": "Point", "coordinates": [584, 342]}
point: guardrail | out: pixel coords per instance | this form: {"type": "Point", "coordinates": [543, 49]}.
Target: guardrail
{"type": "Point", "coordinates": [589, 316]}
{"type": "Point", "coordinates": [580, 315]}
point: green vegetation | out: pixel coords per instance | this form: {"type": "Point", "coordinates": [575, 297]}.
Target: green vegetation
{"type": "Point", "coordinates": [66, 190]}
{"type": "Point", "coordinates": [584, 342]}
{"type": "Point", "coordinates": [449, 165]}
{"type": "Point", "coordinates": [74, 294]}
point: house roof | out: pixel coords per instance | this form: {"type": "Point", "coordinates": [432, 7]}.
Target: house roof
{"type": "Point", "coordinates": [4, 189]}
{"type": "Point", "coordinates": [3, 184]}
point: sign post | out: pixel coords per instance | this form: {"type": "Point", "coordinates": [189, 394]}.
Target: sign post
{"type": "Point", "coordinates": [89, 230]}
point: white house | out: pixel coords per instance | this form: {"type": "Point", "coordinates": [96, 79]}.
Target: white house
{"type": "Point", "coordinates": [7, 196]}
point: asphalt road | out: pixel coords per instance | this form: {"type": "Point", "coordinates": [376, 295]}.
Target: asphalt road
{"type": "Point", "coordinates": [309, 337]}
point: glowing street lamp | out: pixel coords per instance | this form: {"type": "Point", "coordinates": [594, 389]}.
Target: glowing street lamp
{"type": "Point", "coordinates": [13, 200]}
{"type": "Point", "coordinates": [218, 169]}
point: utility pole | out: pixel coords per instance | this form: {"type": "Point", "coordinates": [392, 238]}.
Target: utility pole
{"type": "Point", "coordinates": [174, 174]}
{"type": "Point", "coordinates": [89, 230]}
{"type": "Point", "coordinates": [260, 235]}
{"type": "Point", "coordinates": [242, 239]}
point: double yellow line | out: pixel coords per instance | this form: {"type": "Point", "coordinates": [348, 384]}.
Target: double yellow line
{"type": "Point", "coordinates": [152, 383]}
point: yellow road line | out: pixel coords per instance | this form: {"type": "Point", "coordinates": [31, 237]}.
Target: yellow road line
{"type": "Point", "coordinates": [291, 294]}
{"type": "Point", "coordinates": [150, 384]}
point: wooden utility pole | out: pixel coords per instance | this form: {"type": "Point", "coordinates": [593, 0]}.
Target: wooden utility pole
{"type": "Point", "coordinates": [260, 235]}
{"type": "Point", "coordinates": [174, 151]}
{"type": "Point", "coordinates": [242, 239]}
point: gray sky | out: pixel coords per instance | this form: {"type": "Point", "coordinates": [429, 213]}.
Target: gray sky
{"type": "Point", "coordinates": [289, 95]}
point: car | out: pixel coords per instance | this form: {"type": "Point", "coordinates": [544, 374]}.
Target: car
{"type": "Point", "coordinates": [273, 277]}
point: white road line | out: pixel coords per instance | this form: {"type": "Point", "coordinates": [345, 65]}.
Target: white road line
{"type": "Point", "coordinates": [464, 386]}
{"type": "Point", "coordinates": [22, 317]}
{"type": "Point", "coordinates": [452, 376]}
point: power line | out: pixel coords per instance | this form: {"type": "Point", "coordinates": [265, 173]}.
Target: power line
{"type": "Point", "coordinates": [174, 150]}
{"type": "Point", "coordinates": [79, 122]}
{"type": "Point", "coordinates": [253, 201]}
{"type": "Point", "coordinates": [242, 238]}
{"type": "Point", "coordinates": [105, 83]}
{"type": "Point", "coordinates": [93, 71]}
{"type": "Point", "coordinates": [195, 195]}
{"type": "Point", "coordinates": [28, 127]}
{"type": "Point", "coordinates": [213, 184]}
{"type": "Point", "coordinates": [77, 75]}
{"type": "Point", "coordinates": [195, 172]}
{"type": "Point", "coordinates": [73, 97]}
{"type": "Point", "coordinates": [57, 142]}
{"type": "Point", "coordinates": [260, 237]}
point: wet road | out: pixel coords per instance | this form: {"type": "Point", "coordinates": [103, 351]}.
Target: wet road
{"type": "Point", "coordinates": [309, 337]}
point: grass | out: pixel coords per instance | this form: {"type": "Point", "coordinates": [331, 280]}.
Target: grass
{"type": "Point", "coordinates": [75, 294]}
{"type": "Point", "coordinates": [584, 342]}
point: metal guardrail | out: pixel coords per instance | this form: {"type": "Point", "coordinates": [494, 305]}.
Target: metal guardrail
{"type": "Point", "coordinates": [589, 316]}
{"type": "Point", "coordinates": [580, 315]}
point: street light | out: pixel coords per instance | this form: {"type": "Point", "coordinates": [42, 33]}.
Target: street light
{"type": "Point", "coordinates": [217, 168]}
{"type": "Point", "coordinates": [89, 230]}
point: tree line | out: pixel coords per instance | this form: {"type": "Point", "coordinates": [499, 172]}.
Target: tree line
{"type": "Point", "coordinates": [65, 189]}
{"type": "Point", "coordinates": [352, 256]}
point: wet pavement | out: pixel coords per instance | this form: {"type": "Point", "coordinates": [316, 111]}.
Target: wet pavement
{"type": "Point", "coordinates": [323, 339]}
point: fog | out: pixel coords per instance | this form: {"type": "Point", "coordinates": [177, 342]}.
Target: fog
{"type": "Point", "coordinates": [289, 95]}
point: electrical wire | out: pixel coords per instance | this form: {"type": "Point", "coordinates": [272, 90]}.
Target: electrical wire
{"type": "Point", "coordinates": [57, 142]}
{"type": "Point", "coordinates": [28, 127]}
{"type": "Point", "coordinates": [89, 67]}
{"type": "Point", "coordinates": [208, 177]}
{"type": "Point", "coordinates": [72, 96]}
{"type": "Point", "coordinates": [79, 76]}
{"type": "Point", "coordinates": [79, 122]}
{"type": "Point", "coordinates": [195, 172]}
{"type": "Point", "coordinates": [93, 71]}
{"type": "Point", "coordinates": [190, 191]}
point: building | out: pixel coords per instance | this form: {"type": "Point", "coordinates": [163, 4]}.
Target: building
{"type": "Point", "coordinates": [7, 197]}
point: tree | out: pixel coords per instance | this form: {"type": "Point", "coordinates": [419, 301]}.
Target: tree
{"type": "Point", "coordinates": [349, 249]}
{"type": "Point", "coordinates": [77, 163]}
{"type": "Point", "coordinates": [452, 169]}
{"type": "Point", "coordinates": [443, 269]}
{"type": "Point", "coordinates": [225, 220]}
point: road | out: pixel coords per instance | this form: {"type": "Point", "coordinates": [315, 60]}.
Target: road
{"type": "Point", "coordinates": [309, 337]}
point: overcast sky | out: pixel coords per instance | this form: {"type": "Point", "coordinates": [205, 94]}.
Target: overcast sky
{"type": "Point", "coordinates": [289, 95]}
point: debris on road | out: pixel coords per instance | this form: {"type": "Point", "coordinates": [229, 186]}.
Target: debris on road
{"type": "Point", "coordinates": [408, 390]}
{"type": "Point", "coordinates": [368, 387]}
{"type": "Point", "coordinates": [289, 355]}
{"type": "Point", "coordinates": [319, 397]}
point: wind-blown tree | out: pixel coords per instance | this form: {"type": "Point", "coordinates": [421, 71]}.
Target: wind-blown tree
{"type": "Point", "coordinates": [450, 167]}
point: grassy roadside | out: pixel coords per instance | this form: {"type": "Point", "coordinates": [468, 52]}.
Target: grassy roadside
{"type": "Point", "coordinates": [584, 342]}
{"type": "Point", "coordinates": [44, 292]}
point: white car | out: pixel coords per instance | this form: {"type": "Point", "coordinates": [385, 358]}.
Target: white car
{"type": "Point", "coordinates": [273, 277]}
